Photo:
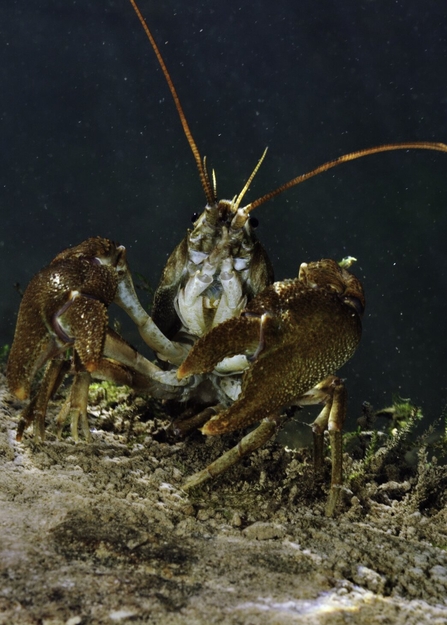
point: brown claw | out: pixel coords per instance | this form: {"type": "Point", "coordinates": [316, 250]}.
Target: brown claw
{"type": "Point", "coordinates": [46, 324]}
{"type": "Point", "coordinates": [63, 319]}
{"type": "Point", "coordinates": [238, 335]}
{"type": "Point", "coordinates": [65, 308]}
{"type": "Point", "coordinates": [298, 333]}
{"type": "Point", "coordinates": [308, 331]}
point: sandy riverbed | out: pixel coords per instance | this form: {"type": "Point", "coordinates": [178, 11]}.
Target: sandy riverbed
{"type": "Point", "coordinates": [103, 533]}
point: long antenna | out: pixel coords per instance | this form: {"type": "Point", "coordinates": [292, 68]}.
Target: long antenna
{"type": "Point", "coordinates": [210, 189]}
{"type": "Point", "coordinates": [415, 145]}
{"type": "Point", "coordinates": [204, 179]}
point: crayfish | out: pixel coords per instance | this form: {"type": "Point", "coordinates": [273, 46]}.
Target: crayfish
{"type": "Point", "coordinates": [229, 339]}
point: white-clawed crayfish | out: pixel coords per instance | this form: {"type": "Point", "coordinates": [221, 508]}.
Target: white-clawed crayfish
{"type": "Point", "coordinates": [240, 346]}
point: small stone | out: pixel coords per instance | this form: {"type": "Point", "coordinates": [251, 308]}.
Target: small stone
{"type": "Point", "coordinates": [119, 615]}
{"type": "Point", "coordinates": [236, 520]}
{"type": "Point", "coordinates": [203, 515]}
{"type": "Point", "coordinates": [188, 510]}
{"type": "Point", "coordinates": [264, 531]}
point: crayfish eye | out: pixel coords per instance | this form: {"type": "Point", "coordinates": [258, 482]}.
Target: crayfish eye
{"type": "Point", "coordinates": [254, 222]}
{"type": "Point", "coordinates": [194, 217]}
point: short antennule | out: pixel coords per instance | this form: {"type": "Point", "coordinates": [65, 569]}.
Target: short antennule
{"type": "Point", "coordinates": [249, 181]}
{"type": "Point", "coordinates": [241, 214]}
{"type": "Point", "coordinates": [415, 145]}
{"type": "Point", "coordinates": [204, 178]}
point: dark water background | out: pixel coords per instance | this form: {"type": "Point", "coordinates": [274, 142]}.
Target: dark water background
{"type": "Point", "coordinates": [91, 145]}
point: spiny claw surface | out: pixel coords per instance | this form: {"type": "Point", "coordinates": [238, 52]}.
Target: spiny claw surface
{"type": "Point", "coordinates": [308, 328]}
{"type": "Point", "coordinates": [63, 321]}
{"type": "Point", "coordinates": [73, 290]}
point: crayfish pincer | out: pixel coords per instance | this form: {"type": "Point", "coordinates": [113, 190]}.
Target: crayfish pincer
{"type": "Point", "coordinates": [63, 324]}
{"type": "Point", "coordinates": [297, 334]}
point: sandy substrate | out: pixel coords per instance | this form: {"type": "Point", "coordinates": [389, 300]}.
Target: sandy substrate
{"type": "Point", "coordinates": [103, 533]}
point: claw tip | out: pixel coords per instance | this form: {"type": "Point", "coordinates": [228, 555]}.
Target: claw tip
{"type": "Point", "coordinates": [213, 427]}
{"type": "Point", "coordinates": [182, 372]}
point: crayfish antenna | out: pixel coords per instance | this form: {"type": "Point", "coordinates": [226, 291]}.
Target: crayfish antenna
{"type": "Point", "coordinates": [415, 145]}
{"type": "Point", "coordinates": [204, 178]}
